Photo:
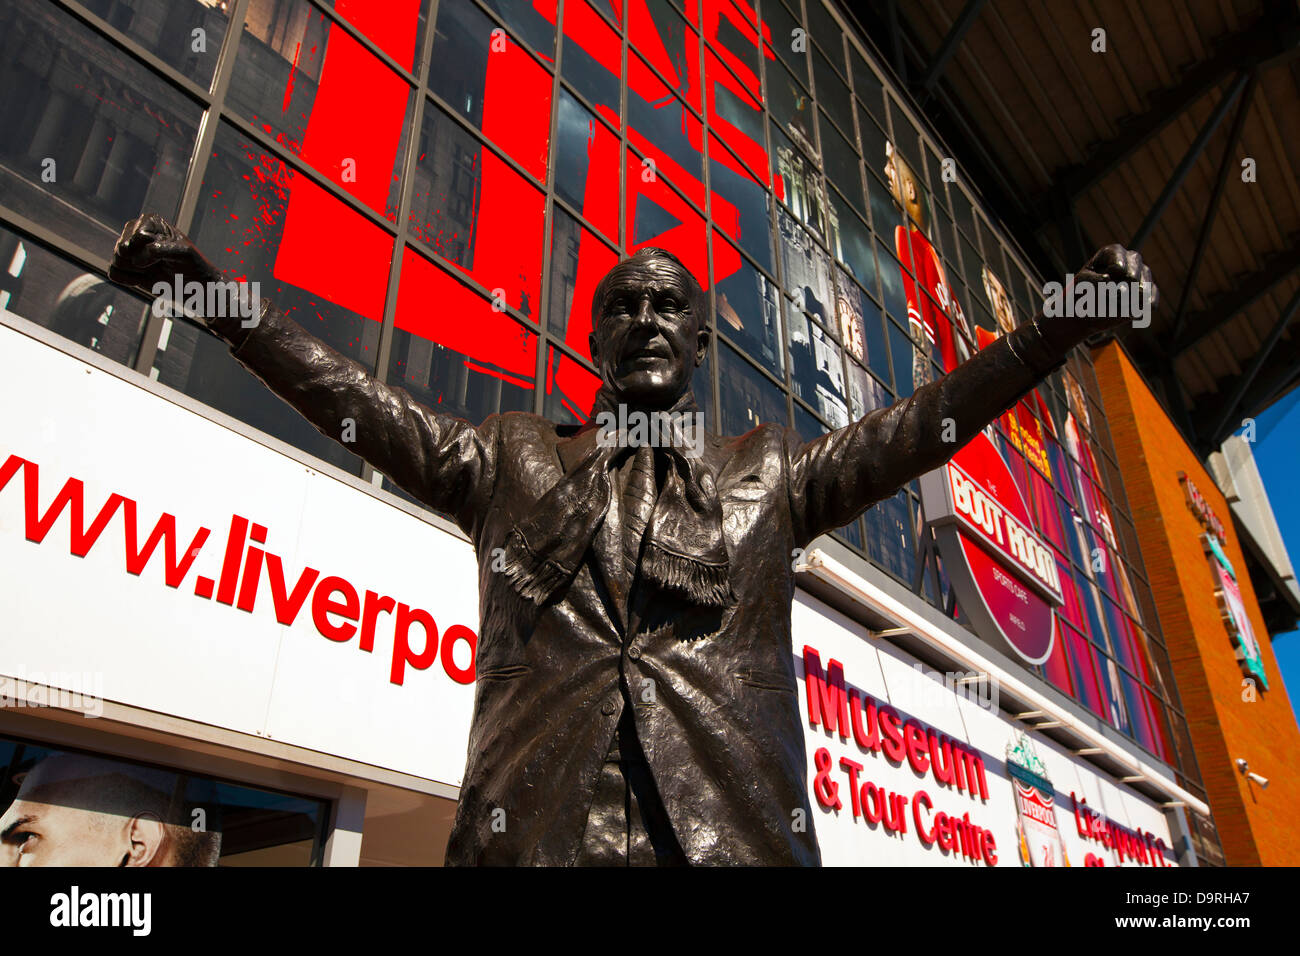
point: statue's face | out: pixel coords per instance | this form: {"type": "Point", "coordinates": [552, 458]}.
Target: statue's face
{"type": "Point", "coordinates": [649, 334]}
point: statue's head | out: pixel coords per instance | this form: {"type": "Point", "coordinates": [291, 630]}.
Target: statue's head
{"type": "Point", "coordinates": [650, 328]}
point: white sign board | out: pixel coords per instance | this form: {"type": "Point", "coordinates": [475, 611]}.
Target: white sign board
{"type": "Point", "coordinates": [308, 624]}
{"type": "Point", "coordinates": [919, 768]}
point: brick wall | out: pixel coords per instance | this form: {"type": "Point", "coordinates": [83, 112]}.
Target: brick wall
{"type": "Point", "coordinates": [1254, 824]}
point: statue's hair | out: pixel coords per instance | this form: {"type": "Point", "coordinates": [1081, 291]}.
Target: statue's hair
{"type": "Point", "coordinates": [699, 301]}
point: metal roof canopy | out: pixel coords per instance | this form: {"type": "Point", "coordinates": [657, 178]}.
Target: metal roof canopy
{"type": "Point", "coordinates": [1144, 143]}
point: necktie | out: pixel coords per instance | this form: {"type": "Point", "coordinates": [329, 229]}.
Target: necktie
{"type": "Point", "coordinates": [639, 496]}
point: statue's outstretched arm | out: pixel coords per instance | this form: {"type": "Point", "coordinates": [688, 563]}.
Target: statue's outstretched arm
{"type": "Point", "coordinates": [836, 477]}
{"type": "Point", "coordinates": [441, 460]}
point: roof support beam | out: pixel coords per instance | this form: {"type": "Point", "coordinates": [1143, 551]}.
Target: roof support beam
{"type": "Point", "coordinates": [948, 47]}
{"type": "Point", "coordinates": [1207, 224]}
{"type": "Point", "coordinates": [1189, 160]}
{"type": "Point", "coordinates": [1247, 290]}
{"type": "Point", "coordinates": [1268, 40]}
{"type": "Point", "coordinates": [1273, 381]}
{"type": "Point", "coordinates": [1231, 408]}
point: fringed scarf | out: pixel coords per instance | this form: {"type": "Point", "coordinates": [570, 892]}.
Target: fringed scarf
{"type": "Point", "coordinates": [683, 551]}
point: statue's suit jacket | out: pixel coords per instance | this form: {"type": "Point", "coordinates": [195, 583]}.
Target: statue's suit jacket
{"type": "Point", "coordinates": [721, 726]}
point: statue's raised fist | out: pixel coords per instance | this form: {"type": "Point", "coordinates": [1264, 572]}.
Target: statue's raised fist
{"type": "Point", "coordinates": [1112, 288]}
{"type": "Point", "coordinates": [1114, 263]}
{"type": "Point", "coordinates": [151, 250]}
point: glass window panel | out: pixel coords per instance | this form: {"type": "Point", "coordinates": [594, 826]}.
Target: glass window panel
{"type": "Point", "coordinates": [592, 59]}
{"type": "Point", "coordinates": [874, 139]}
{"type": "Point", "coordinates": [243, 826]}
{"type": "Point", "coordinates": [826, 32]}
{"type": "Point", "coordinates": [799, 185]}
{"type": "Point", "coordinates": [702, 384]}
{"type": "Point", "coordinates": [606, 8]}
{"type": "Point", "coordinates": [906, 137]}
{"type": "Point", "coordinates": [570, 388]}
{"type": "Point", "coordinates": [740, 206]}
{"type": "Point", "coordinates": [807, 424]}
{"type": "Point", "coordinates": [1029, 294]}
{"type": "Point", "coordinates": [660, 35]}
{"type": "Point", "coordinates": [784, 43]}
{"type": "Point", "coordinates": [873, 324]}
{"type": "Point", "coordinates": [748, 398]}
{"type": "Point", "coordinates": [91, 138]}
{"type": "Point", "coordinates": [866, 394]}
{"type": "Point", "coordinates": [945, 235]}
{"type": "Point", "coordinates": [858, 324]}
{"type": "Point", "coordinates": [806, 271]}
{"type": "Point", "coordinates": [45, 288]}
{"type": "Point", "coordinates": [832, 95]}
{"type": "Point", "coordinates": [887, 221]}
{"type": "Point", "coordinates": [972, 268]}
{"type": "Point", "coordinates": [578, 262]}
{"type": "Point", "coordinates": [299, 82]}
{"type": "Point", "coordinates": [911, 368]}
{"type": "Point", "coordinates": [259, 220]}
{"type": "Point", "coordinates": [747, 309]}
{"type": "Point", "coordinates": [937, 185]}
{"type": "Point", "coordinates": [730, 31]}
{"type": "Point", "coordinates": [1083, 668]}
{"type": "Point", "coordinates": [817, 368]}
{"type": "Point", "coordinates": [908, 192]}
{"type": "Point", "coordinates": [891, 283]}
{"type": "Point", "coordinates": [791, 106]}
{"type": "Point", "coordinates": [867, 86]}
{"type": "Point", "coordinates": [586, 165]}
{"type": "Point", "coordinates": [466, 359]}
{"type": "Point", "coordinates": [166, 28]}
{"type": "Point", "coordinates": [659, 216]}
{"type": "Point", "coordinates": [690, 9]}
{"type": "Point", "coordinates": [395, 26]}
{"type": "Point", "coordinates": [1057, 667]}
{"type": "Point", "coordinates": [851, 243]}
{"type": "Point", "coordinates": [841, 165]}
{"type": "Point", "coordinates": [534, 21]}
{"type": "Point", "coordinates": [890, 537]}
{"type": "Point", "coordinates": [961, 209]}
{"type": "Point", "coordinates": [661, 127]}
{"type": "Point", "coordinates": [736, 114]}
{"type": "Point", "coordinates": [502, 92]}
{"type": "Point", "coordinates": [470, 207]}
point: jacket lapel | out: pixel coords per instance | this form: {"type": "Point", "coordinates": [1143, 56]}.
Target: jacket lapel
{"type": "Point", "coordinates": [607, 545]}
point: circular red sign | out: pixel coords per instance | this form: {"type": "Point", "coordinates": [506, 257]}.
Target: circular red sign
{"type": "Point", "coordinates": [991, 590]}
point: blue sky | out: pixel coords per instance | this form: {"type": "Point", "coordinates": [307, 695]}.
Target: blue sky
{"type": "Point", "coordinates": [1277, 452]}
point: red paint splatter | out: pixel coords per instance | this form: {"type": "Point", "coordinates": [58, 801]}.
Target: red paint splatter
{"type": "Point", "coordinates": [293, 69]}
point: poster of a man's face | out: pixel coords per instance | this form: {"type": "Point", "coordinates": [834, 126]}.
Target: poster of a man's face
{"type": "Point", "coordinates": [906, 188]}
{"type": "Point", "coordinates": [1075, 398]}
{"type": "Point", "coordinates": [80, 810]}
{"type": "Point", "coordinates": [1001, 302]}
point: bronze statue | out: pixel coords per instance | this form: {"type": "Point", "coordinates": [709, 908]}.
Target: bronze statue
{"type": "Point", "coordinates": [636, 696]}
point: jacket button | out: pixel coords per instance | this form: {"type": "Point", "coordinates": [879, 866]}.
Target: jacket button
{"type": "Point", "coordinates": [634, 652]}
{"type": "Point", "coordinates": [607, 708]}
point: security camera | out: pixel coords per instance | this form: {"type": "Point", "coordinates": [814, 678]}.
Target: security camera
{"type": "Point", "coordinates": [1251, 775]}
